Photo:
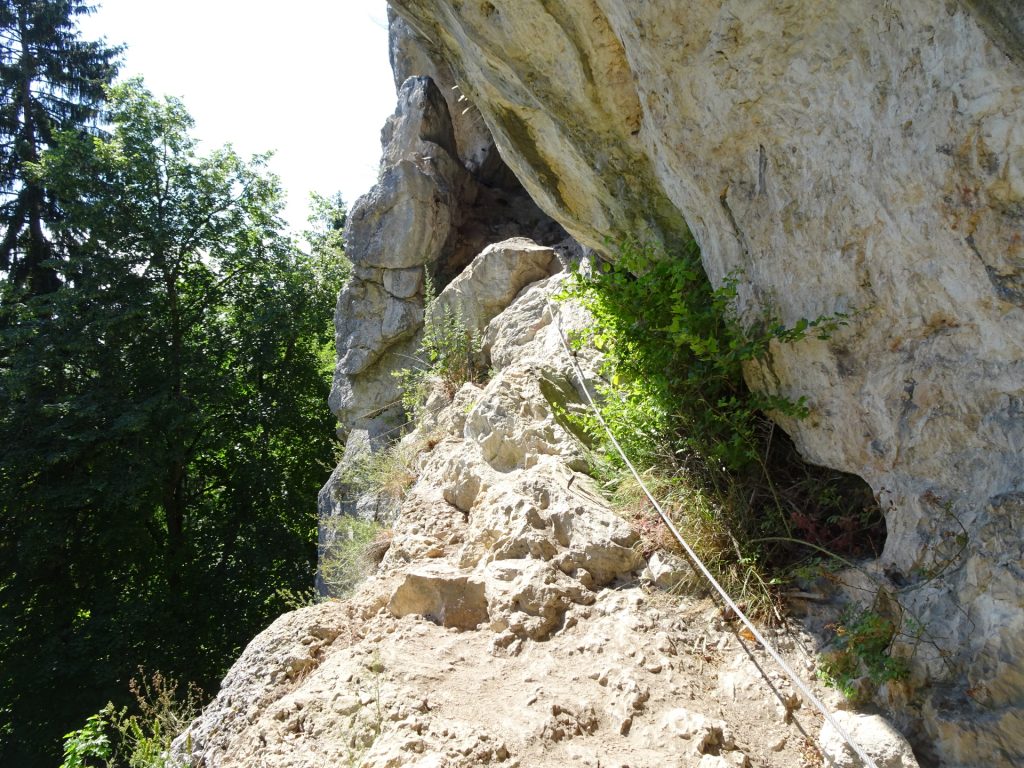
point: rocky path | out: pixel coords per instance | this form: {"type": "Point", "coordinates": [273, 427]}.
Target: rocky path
{"type": "Point", "coordinates": [510, 622]}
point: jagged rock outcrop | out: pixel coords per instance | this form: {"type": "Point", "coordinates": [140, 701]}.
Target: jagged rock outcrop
{"type": "Point", "coordinates": [862, 157]}
{"type": "Point", "coordinates": [428, 213]}
{"type": "Point", "coordinates": [396, 231]}
{"type": "Point", "coordinates": [443, 193]}
{"type": "Point", "coordinates": [504, 625]}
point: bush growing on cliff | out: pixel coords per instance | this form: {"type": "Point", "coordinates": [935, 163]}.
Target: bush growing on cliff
{"type": "Point", "coordinates": [676, 400]}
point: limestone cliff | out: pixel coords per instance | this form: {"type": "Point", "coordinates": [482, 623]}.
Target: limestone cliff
{"type": "Point", "coordinates": [864, 157]}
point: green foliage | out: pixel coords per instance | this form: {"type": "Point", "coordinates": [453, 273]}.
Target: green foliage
{"type": "Point", "coordinates": [862, 649]}
{"type": "Point", "coordinates": [449, 354]}
{"type": "Point", "coordinates": [326, 227]}
{"type": "Point", "coordinates": [328, 263]}
{"type": "Point", "coordinates": [162, 428]}
{"type": "Point", "coordinates": [90, 744]}
{"type": "Point", "coordinates": [356, 547]}
{"type": "Point", "coordinates": [117, 738]}
{"type": "Point", "coordinates": [293, 599]}
{"type": "Point", "coordinates": [676, 400]}
{"type": "Point", "coordinates": [329, 266]}
{"type": "Point", "coordinates": [675, 353]}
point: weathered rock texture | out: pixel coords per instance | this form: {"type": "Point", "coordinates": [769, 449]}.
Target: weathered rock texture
{"type": "Point", "coordinates": [428, 213]}
{"type": "Point", "coordinates": [855, 156]}
{"type": "Point", "coordinates": [443, 193]}
{"type": "Point", "coordinates": [505, 625]}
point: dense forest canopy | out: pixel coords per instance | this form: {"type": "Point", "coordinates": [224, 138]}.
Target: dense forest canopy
{"type": "Point", "coordinates": [164, 364]}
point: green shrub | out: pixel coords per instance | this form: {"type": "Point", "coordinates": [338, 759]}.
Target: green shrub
{"type": "Point", "coordinates": [113, 738]}
{"type": "Point", "coordinates": [862, 650]}
{"type": "Point", "coordinates": [674, 354]}
{"type": "Point", "coordinates": [676, 400]}
{"type": "Point", "coordinates": [89, 746]}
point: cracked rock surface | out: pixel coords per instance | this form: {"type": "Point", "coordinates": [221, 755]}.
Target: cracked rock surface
{"type": "Point", "coordinates": [863, 157]}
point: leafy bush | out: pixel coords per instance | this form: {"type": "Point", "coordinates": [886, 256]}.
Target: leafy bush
{"type": "Point", "coordinates": [90, 743]}
{"type": "Point", "coordinates": [675, 351]}
{"type": "Point", "coordinates": [676, 400]}
{"type": "Point", "coordinates": [113, 738]}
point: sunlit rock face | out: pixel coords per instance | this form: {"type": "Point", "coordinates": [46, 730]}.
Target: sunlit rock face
{"type": "Point", "coordinates": [443, 193]}
{"type": "Point", "coordinates": [509, 623]}
{"type": "Point", "coordinates": [849, 156]}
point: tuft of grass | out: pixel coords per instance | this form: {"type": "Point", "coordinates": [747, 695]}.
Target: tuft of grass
{"type": "Point", "coordinates": [356, 550]}
{"type": "Point", "coordinates": [449, 353]}
{"type": "Point", "coordinates": [388, 473]}
{"type": "Point", "coordinates": [703, 522]}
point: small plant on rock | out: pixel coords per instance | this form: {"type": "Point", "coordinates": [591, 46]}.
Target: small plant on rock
{"type": "Point", "coordinates": [356, 549]}
{"type": "Point", "coordinates": [387, 473]}
{"type": "Point", "coordinates": [365, 724]}
{"type": "Point", "coordinates": [862, 650]}
{"type": "Point", "coordinates": [449, 353]}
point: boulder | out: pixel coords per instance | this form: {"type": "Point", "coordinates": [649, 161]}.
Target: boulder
{"type": "Point", "coordinates": [441, 594]}
{"type": "Point", "coordinates": [874, 734]}
{"type": "Point", "coordinates": [488, 285]}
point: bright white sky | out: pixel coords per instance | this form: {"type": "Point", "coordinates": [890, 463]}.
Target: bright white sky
{"type": "Point", "coordinates": [309, 79]}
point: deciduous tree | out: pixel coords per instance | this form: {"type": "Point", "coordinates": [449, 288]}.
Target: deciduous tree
{"type": "Point", "coordinates": [164, 428]}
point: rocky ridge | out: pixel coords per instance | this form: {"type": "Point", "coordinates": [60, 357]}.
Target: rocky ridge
{"type": "Point", "coordinates": [508, 622]}
{"type": "Point", "coordinates": [863, 158]}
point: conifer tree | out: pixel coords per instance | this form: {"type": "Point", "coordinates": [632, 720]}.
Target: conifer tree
{"type": "Point", "coordinates": [51, 81]}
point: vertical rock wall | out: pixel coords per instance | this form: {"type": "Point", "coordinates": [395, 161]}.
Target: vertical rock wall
{"type": "Point", "coordinates": [855, 156]}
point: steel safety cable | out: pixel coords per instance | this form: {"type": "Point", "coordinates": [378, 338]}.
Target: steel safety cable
{"type": "Point", "coordinates": [790, 672]}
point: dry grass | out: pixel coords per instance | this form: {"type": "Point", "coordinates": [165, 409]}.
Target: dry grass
{"type": "Point", "coordinates": [387, 474]}
{"type": "Point", "coordinates": [701, 523]}
{"type": "Point", "coordinates": [356, 550]}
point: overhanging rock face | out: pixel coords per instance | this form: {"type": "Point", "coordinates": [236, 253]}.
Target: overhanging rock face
{"type": "Point", "coordinates": [859, 157]}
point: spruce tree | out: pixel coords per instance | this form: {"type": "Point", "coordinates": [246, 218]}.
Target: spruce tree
{"type": "Point", "coordinates": [51, 82]}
